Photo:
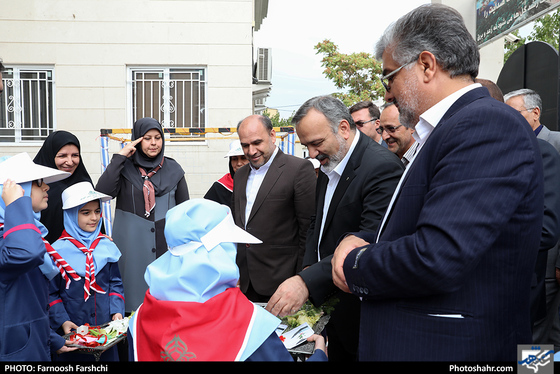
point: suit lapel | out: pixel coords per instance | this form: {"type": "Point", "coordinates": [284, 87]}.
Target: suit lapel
{"type": "Point", "coordinates": [467, 98]}
{"type": "Point", "coordinates": [272, 175]}
{"type": "Point", "coordinates": [242, 188]}
{"type": "Point", "coordinates": [346, 178]}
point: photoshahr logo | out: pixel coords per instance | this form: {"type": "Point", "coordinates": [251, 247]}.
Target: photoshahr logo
{"type": "Point", "coordinates": [535, 359]}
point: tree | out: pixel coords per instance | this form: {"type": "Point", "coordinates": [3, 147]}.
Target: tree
{"type": "Point", "coordinates": [356, 73]}
{"type": "Point", "coordinates": [277, 121]}
{"type": "Point", "coordinates": [545, 29]}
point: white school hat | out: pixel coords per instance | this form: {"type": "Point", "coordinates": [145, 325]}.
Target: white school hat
{"type": "Point", "coordinates": [200, 262]}
{"type": "Point", "coordinates": [81, 193]}
{"type": "Point", "coordinates": [20, 168]}
{"type": "Point", "coordinates": [235, 149]}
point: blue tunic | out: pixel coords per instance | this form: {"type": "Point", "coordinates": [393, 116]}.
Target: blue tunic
{"type": "Point", "coordinates": [24, 322]}
{"type": "Point", "coordinates": [69, 305]}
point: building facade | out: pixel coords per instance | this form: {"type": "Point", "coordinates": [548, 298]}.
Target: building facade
{"type": "Point", "coordinates": [88, 65]}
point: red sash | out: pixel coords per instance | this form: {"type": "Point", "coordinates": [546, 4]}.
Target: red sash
{"type": "Point", "coordinates": [89, 283]}
{"type": "Point", "coordinates": [65, 270]}
{"type": "Point", "coordinates": [189, 331]}
{"type": "Point", "coordinates": [227, 182]}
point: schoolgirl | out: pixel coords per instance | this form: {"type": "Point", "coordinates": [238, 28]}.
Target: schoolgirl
{"type": "Point", "coordinates": [25, 334]}
{"type": "Point", "coordinates": [97, 297]}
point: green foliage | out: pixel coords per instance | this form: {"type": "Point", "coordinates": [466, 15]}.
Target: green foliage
{"type": "Point", "coordinates": [356, 73]}
{"type": "Point", "coordinates": [545, 29]}
{"type": "Point", "coordinates": [277, 121]}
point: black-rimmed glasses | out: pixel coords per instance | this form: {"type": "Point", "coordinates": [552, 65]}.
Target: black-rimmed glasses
{"type": "Point", "coordinates": [386, 79]}
{"type": "Point", "coordinates": [389, 129]}
{"type": "Point", "coordinates": [361, 123]}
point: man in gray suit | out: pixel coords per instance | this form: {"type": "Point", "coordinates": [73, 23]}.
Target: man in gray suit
{"type": "Point", "coordinates": [546, 330]}
{"type": "Point", "coordinates": [273, 200]}
{"type": "Point", "coordinates": [529, 104]}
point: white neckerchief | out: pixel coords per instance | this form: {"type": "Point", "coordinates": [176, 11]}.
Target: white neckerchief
{"type": "Point", "coordinates": [254, 181]}
{"type": "Point", "coordinates": [334, 178]}
{"type": "Point", "coordinates": [427, 123]}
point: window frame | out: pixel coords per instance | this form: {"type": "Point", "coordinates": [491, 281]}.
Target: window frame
{"type": "Point", "coordinates": [166, 71]}
{"type": "Point", "coordinates": [17, 69]}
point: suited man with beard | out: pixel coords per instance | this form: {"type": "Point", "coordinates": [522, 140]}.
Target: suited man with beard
{"type": "Point", "coordinates": [357, 179]}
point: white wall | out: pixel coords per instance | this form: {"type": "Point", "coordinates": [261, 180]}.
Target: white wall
{"type": "Point", "coordinates": [91, 43]}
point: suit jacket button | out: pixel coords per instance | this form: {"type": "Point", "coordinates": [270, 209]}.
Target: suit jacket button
{"type": "Point", "coordinates": [247, 245]}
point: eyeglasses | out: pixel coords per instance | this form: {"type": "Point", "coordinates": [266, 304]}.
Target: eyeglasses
{"type": "Point", "coordinates": [385, 78]}
{"type": "Point", "coordinates": [39, 182]}
{"type": "Point", "coordinates": [389, 129]}
{"type": "Point", "coordinates": [361, 123]}
{"type": "Point", "coordinates": [528, 109]}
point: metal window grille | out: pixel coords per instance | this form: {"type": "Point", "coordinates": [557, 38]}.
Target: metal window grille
{"type": "Point", "coordinates": [26, 105]}
{"type": "Point", "coordinates": [175, 97]}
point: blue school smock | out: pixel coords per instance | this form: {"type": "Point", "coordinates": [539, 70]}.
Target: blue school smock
{"type": "Point", "coordinates": [69, 305]}
{"type": "Point", "coordinates": [24, 322]}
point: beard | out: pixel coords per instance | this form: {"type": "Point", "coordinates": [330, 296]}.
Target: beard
{"type": "Point", "coordinates": [409, 103]}
{"type": "Point", "coordinates": [335, 159]}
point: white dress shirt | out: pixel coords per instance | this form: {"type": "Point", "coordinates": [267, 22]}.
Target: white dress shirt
{"type": "Point", "coordinates": [334, 178]}
{"type": "Point", "coordinates": [427, 123]}
{"type": "Point", "coordinates": [254, 181]}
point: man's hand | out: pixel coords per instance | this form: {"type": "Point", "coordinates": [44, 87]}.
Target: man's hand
{"type": "Point", "coordinates": [347, 245]}
{"type": "Point", "coordinates": [289, 297]}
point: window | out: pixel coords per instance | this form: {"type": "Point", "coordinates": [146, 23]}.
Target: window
{"type": "Point", "coordinates": [27, 104]}
{"type": "Point", "coordinates": [176, 97]}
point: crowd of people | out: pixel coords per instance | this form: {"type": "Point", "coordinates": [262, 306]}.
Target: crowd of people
{"type": "Point", "coordinates": [432, 226]}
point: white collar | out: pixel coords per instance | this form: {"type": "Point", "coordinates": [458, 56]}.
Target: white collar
{"type": "Point", "coordinates": [339, 169]}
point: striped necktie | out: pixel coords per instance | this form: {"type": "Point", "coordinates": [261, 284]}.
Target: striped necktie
{"type": "Point", "coordinates": [89, 283]}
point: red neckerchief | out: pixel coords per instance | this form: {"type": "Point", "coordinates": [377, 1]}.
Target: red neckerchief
{"type": "Point", "coordinates": [189, 331]}
{"type": "Point", "coordinates": [65, 269]}
{"type": "Point", "coordinates": [227, 182]}
{"type": "Point", "coordinates": [148, 188]}
{"type": "Point", "coordinates": [90, 283]}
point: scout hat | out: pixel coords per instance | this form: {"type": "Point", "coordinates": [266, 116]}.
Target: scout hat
{"type": "Point", "coordinates": [200, 261]}
{"type": "Point", "coordinates": [81, 193]}
{"type": "Point", "coordinates": [20, 168]}
{"type": "Point", "coordinates": [235, 149]}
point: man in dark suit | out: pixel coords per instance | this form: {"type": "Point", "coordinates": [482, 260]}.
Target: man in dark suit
{"type": "Point", "coordinates": [354, 187]}
{"type": "Point", "coordinates": [448, 275]}
{"type": "Point", "coordinates": [546, 328]}
{"type": "Point", "coordinates": [366, 117]}
{"type": "Point", "coordinates": [273, 199]}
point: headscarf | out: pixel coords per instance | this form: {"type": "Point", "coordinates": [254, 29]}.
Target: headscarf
{"type": "Point", "coordinates": [165, 179]}
{"type": "Point", "coordinates": [28, 173]}
{"type": "Point", "coordinates": [192, 291]}
{"type": "Point", "coordinates": [105, 251]}
{"type": "Point", "coordinates": [52, 217]}
{"type": "Point", "coordinates": [200, 263]}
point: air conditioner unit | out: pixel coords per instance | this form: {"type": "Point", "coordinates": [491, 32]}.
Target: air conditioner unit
{"type": "Point", "coordinates": [264, 64]}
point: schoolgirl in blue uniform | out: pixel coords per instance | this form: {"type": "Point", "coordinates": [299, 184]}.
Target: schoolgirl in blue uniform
{"type": "Point", "coordinates": [25, 334]}
{"type": "Point", "coordinates": [97, 297]}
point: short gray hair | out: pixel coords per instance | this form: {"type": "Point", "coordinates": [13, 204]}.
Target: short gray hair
{"type": "Point", "coordinates": [330, 107]}
{"type": "Point", "coordinates": [531, 99]}
{"type": "Point", "coordinates": [435, 28]}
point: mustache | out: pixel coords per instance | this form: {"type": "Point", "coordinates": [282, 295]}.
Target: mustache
{"type": "Point", "coordinates": [321, 157]}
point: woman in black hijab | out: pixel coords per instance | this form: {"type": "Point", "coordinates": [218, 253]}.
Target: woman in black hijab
{"type": "Point", "coordinates": [146, 184]}
{"type": "Point", "coordinates": [61, 150]}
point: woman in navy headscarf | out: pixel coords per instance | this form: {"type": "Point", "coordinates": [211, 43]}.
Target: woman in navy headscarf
{"type": "Point", "coordinates": [146, 184]}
